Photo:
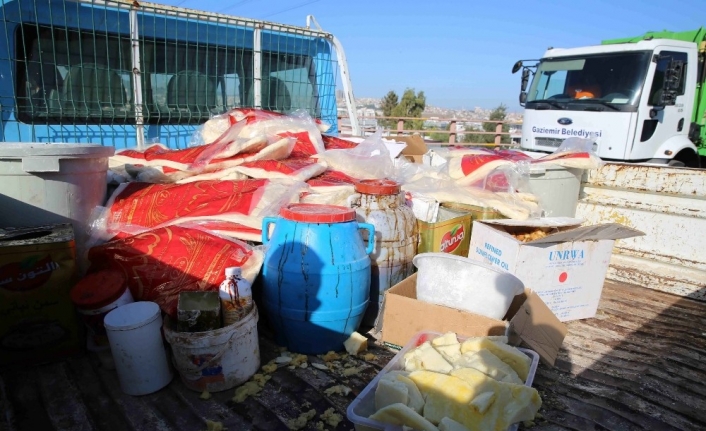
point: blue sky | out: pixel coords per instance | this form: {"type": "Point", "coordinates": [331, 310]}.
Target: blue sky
{"type": "Point", "coordinates": [460, 53]}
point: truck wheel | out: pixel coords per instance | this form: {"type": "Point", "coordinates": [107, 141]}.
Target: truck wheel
{"type": "Point", "coordinates": [685, 158]}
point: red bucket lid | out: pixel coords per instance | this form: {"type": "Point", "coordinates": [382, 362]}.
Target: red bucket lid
{"type": "Point", "coordinates": [314, 213]}
{"type": "Point", "coordinates": [98, 289]}
{"type": "Point", "coordinates": [378, 187]}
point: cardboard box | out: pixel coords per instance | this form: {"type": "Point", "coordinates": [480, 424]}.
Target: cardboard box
{"type": "Point", "coordinates": [415, 149]}
{"type": "Point", "coordinates": [567, 268]}
{"type": "Point", "coordinates": [38, 322]}
{"type": "Point", "coordinates": [448, 232]}
{"type": "Point", "coordinates": [528, 321]}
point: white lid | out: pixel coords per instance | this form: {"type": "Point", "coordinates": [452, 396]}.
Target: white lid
{"type": "Point", "coordinates": [234, 270]}
{"type": "Point", "coordinates": [132, 316]}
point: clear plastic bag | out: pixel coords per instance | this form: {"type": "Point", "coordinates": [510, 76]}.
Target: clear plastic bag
{"type": "Point", "coordinates": [577, 153]}
{"type": "Point", "coordinates": [368, 160]}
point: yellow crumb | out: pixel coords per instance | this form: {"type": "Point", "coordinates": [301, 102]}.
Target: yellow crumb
{"type": "Point", "coordinates": [301, 421]}
{"type": "Point", "coordinates": [205, 395]}
{"type": "Point", "coordinates": [331, 417]}
{"type": "Point", "coordinates": [269, 368]}
{"type": "Point", "coordinates": [246, 390]}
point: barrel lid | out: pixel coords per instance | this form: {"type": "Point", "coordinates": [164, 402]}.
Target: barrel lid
{"type": "Point", "coordinates": [378, 187]}
{"type": "Point", "coordinates": [315, 213]}
{"type": "Point", "coordinates": [36, 149]}
{"type": "Point", "coordinates": [98, 289]}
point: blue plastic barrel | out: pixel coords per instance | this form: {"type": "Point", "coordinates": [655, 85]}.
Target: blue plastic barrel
{"type": "Point", "coordinates": [316, 276]}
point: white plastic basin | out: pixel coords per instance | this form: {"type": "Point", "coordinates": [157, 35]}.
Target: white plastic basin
{"type": "Point", "coordinates": [461, 283]}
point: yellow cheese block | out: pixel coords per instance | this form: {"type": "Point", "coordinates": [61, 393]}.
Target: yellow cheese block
{"type": "Point", "coordinates": [400, 414]}
{"type": "Point", "coordinates": [450, 396]}
{"type": "Point", "coordinates": [445, 340]}
{"type": "Point", "coordinates": [448, 424]}
{"type": "Point", "coordinates": [415, 401]}
{"type": "Point", "coordinates": [450, 352]}
{"type": "Point", "coordinates": [508, 354]}
{"type": "Point", "coordinates": [432, 360]}
{"type": "Point", "coordinates": [356, 343]}
{"type": "Point", "coordinates": [390, 392]}
{"type": "Point", "coordinates": [489, 364]}
{"type": "Point", "coordinates": [512, 403]}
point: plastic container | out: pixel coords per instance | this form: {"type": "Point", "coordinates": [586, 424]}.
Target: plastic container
{"type": "Point", "coordinates": [381, 203]}
{"type": "Point", "coordinates": [52, 183]}
{"type": "Point", "coordinates": [557, 189]}
{"type": "Point", "coordinates": [138, 351]}
{"type": "Point", "coordinates": [461, 283]}
{"type": "Point", "coordinates": [198, 311]}
{"type": "Point", "coordinates": [216, 360]}
{"type": "Point", "coordinates": [315, 276]}
{"type": "Point", "coordinates": [236, 296]}
{"type": "Point", "coordinates": [97, 294]}
{"type": "Point", "coordinates": [364, 404]}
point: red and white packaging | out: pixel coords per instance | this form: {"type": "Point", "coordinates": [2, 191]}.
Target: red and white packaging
{"type": "Point", "coordinates": [288, 169]}
{"type": "Point", "coordinates": [162, 262]}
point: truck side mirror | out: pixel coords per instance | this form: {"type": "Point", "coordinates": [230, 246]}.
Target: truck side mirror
{"type": "Point", "coordinates": [516, 66]}
{"type": "Point", "coordinates": [523, 98]}
{"type": "Point", "coordinates": [672, 83]}
{"type": "Point", "coordinates": [525, 79]}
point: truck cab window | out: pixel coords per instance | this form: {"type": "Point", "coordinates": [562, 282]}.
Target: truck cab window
{"type": "Point", "coordinates": [658, 81]}
{"type": "Point", "coordinates": [591, 80]}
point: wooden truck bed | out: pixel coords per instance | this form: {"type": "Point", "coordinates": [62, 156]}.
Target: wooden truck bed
{"type": "Point", "coordinates": [640, 364]}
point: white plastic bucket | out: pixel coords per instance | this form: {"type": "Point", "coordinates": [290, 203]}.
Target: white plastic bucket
{"type": "Point", "coordinates": [44, 184]}
{"type": "Point", "coordinates": [461, 283]}
{"type": "Point", "coordinates": [137, 347]}
{"type": "Point", "coordinates": [216, 360]}
{"type": "Point", "coordinates": [557, 189]}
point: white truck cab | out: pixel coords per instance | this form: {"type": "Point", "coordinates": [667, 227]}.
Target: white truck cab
{"type": "Point", "coordinates": [618, 96]}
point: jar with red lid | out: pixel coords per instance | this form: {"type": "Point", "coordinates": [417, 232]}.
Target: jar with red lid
{"type": "Point", "coordinates": [95, 295]}
{"type": "Point", "coordinates": [382, 204]}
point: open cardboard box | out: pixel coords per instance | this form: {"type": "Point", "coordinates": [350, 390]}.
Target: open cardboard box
{"type": "Point", "coordinates": [528, 322]}
{"type": "Point", "coordinates": [566, 268]}
{"type": "Point", "coordinates": [415, 149]}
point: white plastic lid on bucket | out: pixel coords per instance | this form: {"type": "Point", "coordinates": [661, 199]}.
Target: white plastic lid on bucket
{"type": "Point", "coordinates": [134, 332]}
{"type": "Point", "coordinates": [461, 283]}
{"type": "Point", "coordinates": [18, 150]}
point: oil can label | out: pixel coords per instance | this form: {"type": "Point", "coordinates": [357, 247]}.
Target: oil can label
{"type": "Point", "coordinates": [452, 239]}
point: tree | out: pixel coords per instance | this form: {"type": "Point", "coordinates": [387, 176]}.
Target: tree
{"type": "Point", "coordinates": [389, 102]}
{"type": "Point", "coordinates": [438, 136]}
{"type": "Point", "coordinates": [411, 105]}
{"type": "Point", "coordinates": [498, 114]}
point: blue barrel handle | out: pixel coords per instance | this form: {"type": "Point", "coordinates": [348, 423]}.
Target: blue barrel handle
{"type": "Point", "coordinates": [266, 222]}
{"type": "Point", "coordinates": [371, 236]}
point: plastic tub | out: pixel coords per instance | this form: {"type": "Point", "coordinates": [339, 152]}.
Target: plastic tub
{"type": "Point", "coordinates": [216, 360]}
{"type": "Point", "coordinates": [557, 189]}
{"type": "Point", "coordinates": [137, 347]}
{"type": "Point", "coordinates": [95, 296]}
{"type": "Point", "coordinates": [364, 404]}
{"type": "Point", "coordinates": [461, 283]}
{"type": "Point", "coordinates": [52, 183]}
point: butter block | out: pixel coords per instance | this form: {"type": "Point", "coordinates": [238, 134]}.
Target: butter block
{"type": "Point", "coordinates": [390, 392]}
{"type": "Point", "coordinates": [508, 354]}
{"type": "Point", "coordinates": [431, 359]}
{"type": "Point", "coordinates": [488, 364]}
{"type": "Point", "coordinates": [448, 424]}
{"type": "Point", "coordinates": [447, 396]}
{"type": "Point", "coordinates": [400, 414]}
{"type": "Point", "coordinates": [450, 352]}
{"type": "Point", "coordinates": [512, 403]}
{"type": "Point", "coordinates": [355, 344]}
{"type": "Point", "coordinates": [447, 339]}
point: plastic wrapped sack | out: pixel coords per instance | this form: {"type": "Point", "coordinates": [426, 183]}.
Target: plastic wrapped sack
{"type": "Point", "coordinates": [245, 202]}
{"type": "Point", "coordinates": [368, 160]}
{"type": "Point", "coordinates": [290, 169]}
{"type": "Point", "coordinates": [573, 153]}
{"type": "Point", "coordinates": [159, 264]}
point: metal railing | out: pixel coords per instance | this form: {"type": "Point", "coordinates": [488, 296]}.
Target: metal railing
{"type": "Point", "coordinates": [453, 132]}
